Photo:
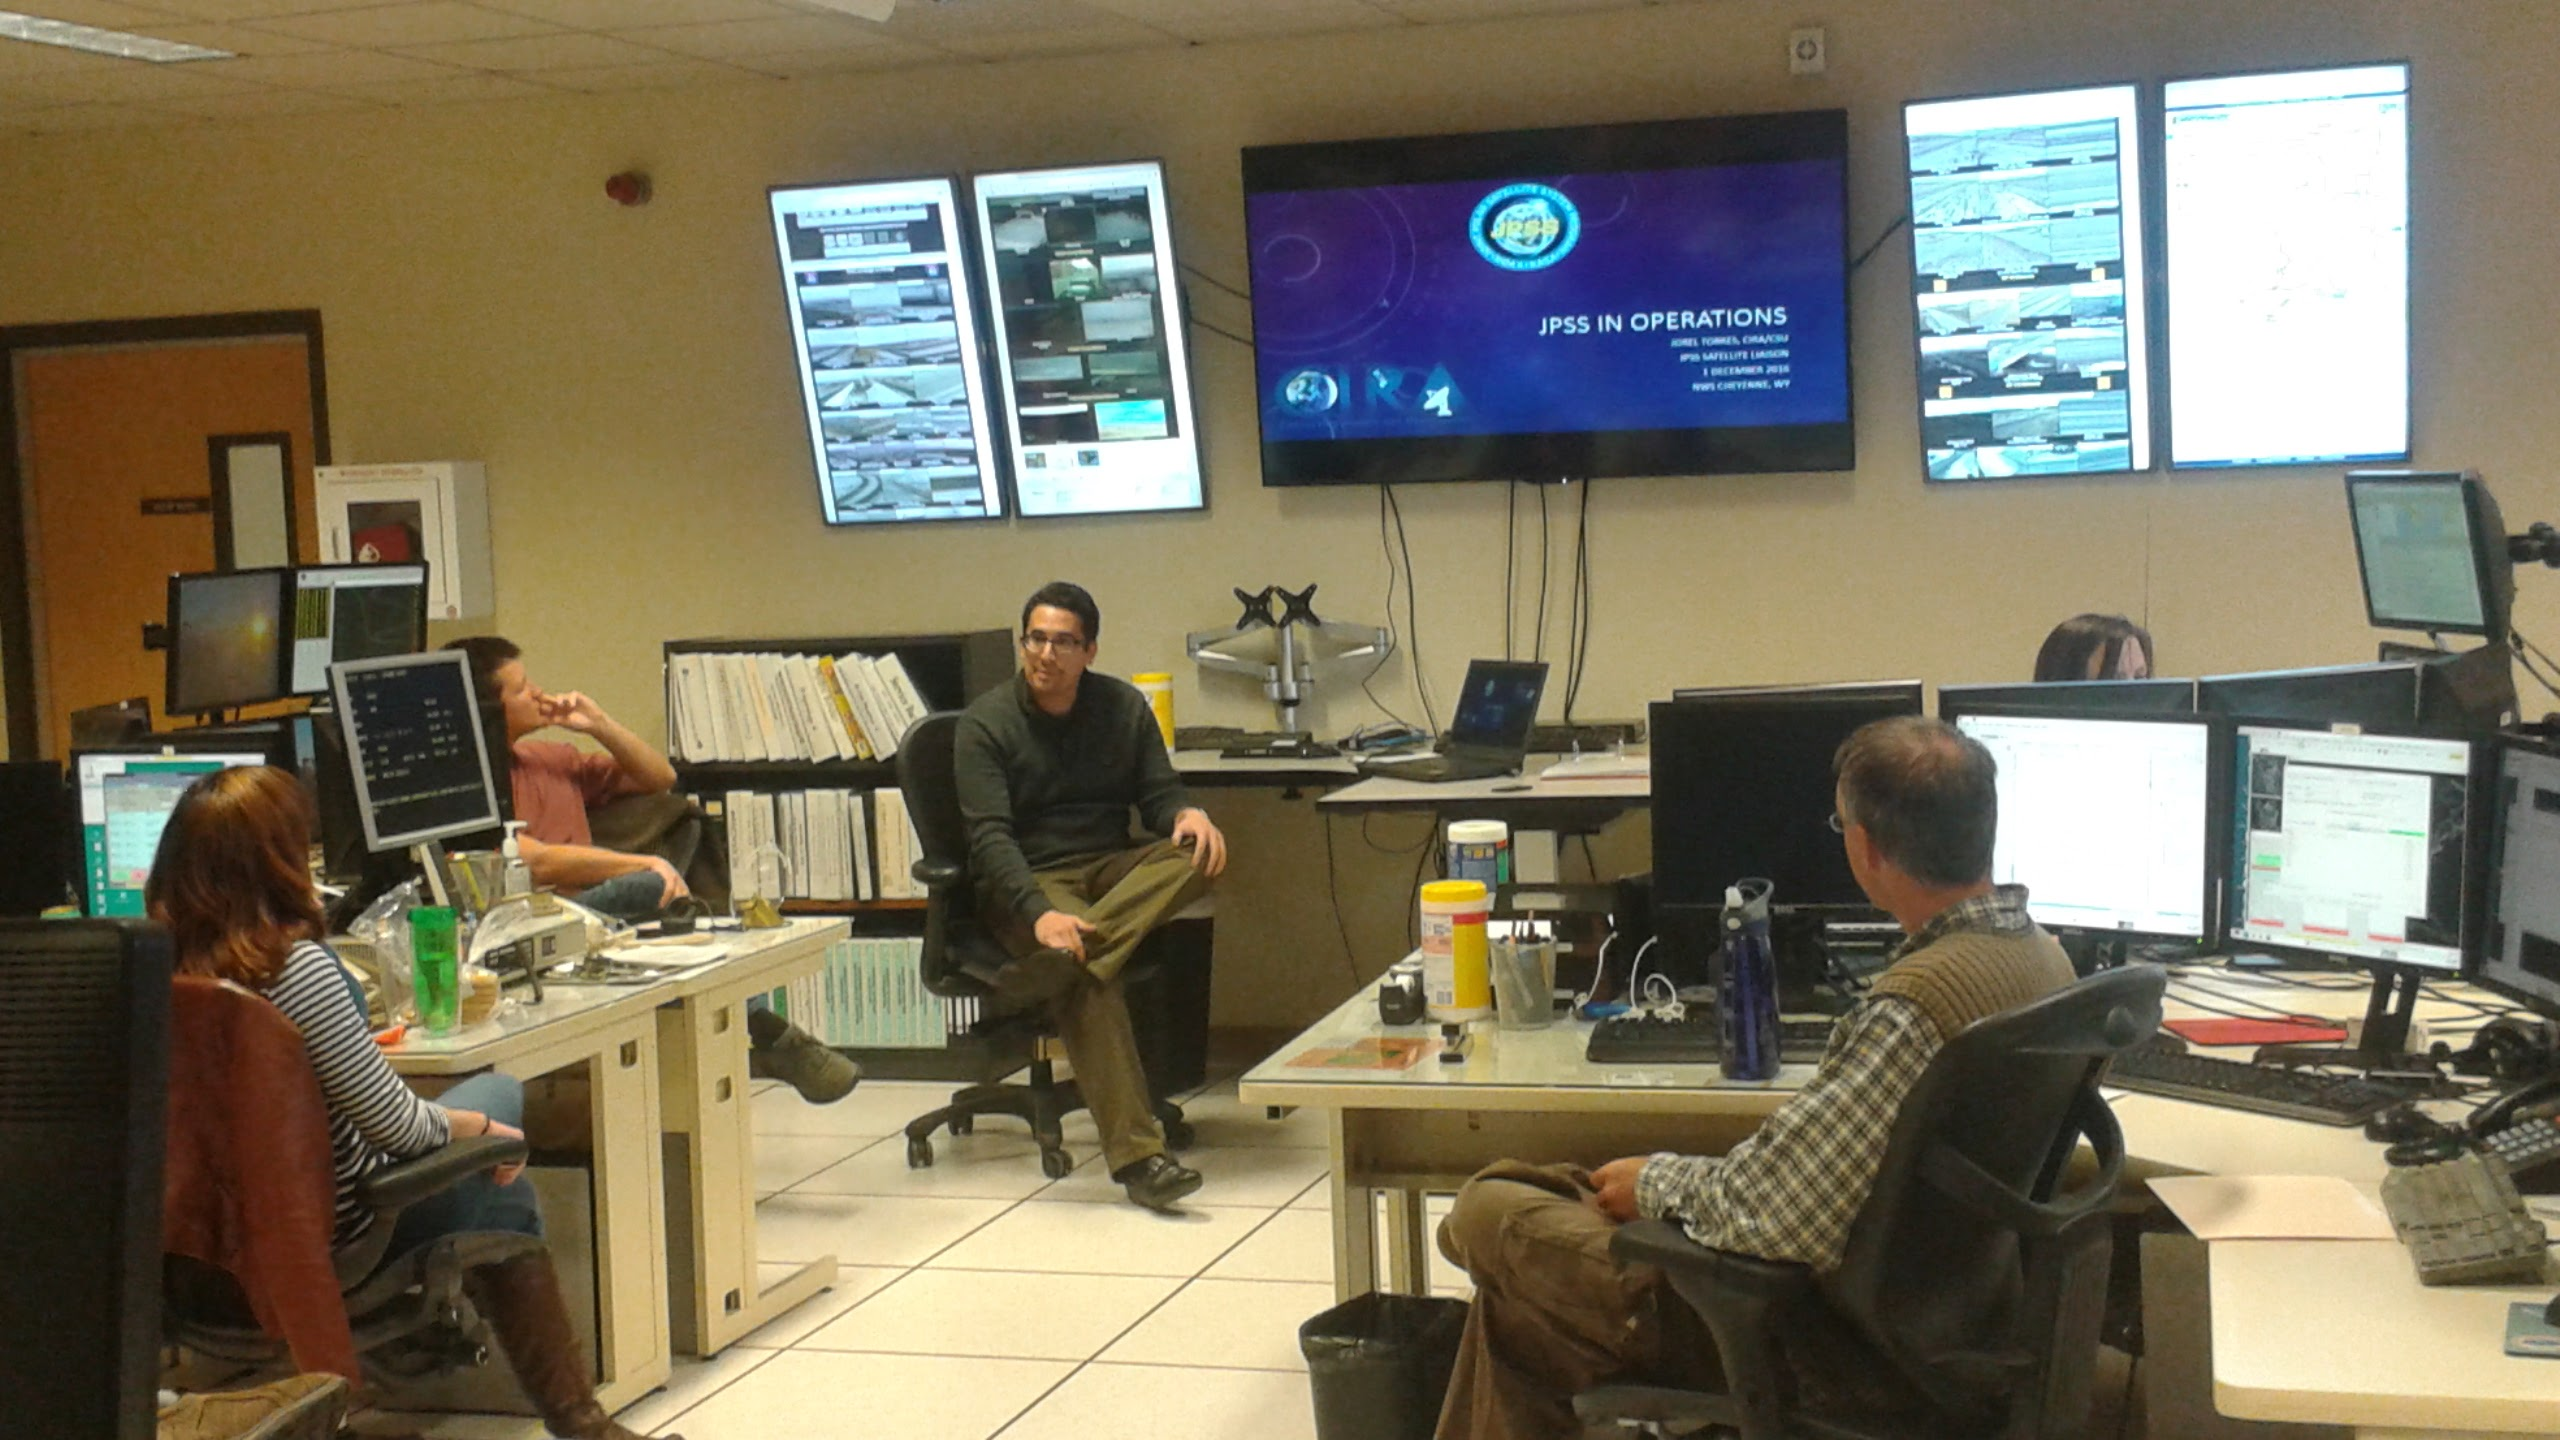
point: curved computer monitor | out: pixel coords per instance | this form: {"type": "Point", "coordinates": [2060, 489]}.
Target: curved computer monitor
{"type": "Point", "coordinates": [2106, 819]}
{"type": "Point", "coordinates": [2520, 949]}
{"type": "Point", "coordinates": [2091, 697]}
{"type": "Point", "coordinates": [2431, 551]}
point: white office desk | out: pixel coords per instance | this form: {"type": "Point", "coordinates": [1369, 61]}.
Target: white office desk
{"type": "Point", "coordinates": [711, 1205]}
{"type": "Point", "coordinates": [611, 1033]}
{"type": "Point", "coordinates": [1525, 801]}
{"type": "Point", "coordinates": [2314, 1331]}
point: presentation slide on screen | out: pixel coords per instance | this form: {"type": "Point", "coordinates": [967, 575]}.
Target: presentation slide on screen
{"type": "Point", "coordinates": [2026, 236]}
{"type": "Point", "coordinates": [2352, 844]}
{"type": "Point", "coordinates": [1096, 374]}
{"type": "Point", "coordinates": [884, 328]}
{"type": "Point", "coordinates": [1630, 300]}
{"type": "Point", "coordinates": [2288, 267]}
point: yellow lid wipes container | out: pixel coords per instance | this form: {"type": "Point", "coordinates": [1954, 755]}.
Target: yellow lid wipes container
{"type": "Point", "coordinates": [1456, 983]}
{"type": "Point", "coordinates": [1157, 686]}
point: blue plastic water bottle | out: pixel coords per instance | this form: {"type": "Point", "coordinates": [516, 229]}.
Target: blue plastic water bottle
{"type": "Point", "coordinates": [1747, 987]}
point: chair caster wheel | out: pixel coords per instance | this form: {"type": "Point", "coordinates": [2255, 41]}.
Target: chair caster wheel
{"type": "Point", "coordinates": [1056, 1163]}
{"type": "Point", "coordinates": [963, 1124]}
{"type": "Point", "coordinates": [919, 1153]}
{"type": "Point", "coordinates": [1178, 1135]}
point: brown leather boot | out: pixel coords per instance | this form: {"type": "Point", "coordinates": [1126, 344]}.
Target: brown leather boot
{"type": "Point", "coordinates": [522, 1299]}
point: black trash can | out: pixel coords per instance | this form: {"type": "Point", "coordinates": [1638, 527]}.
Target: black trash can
{"type": "Point", "coordinates": [1379, 1364]}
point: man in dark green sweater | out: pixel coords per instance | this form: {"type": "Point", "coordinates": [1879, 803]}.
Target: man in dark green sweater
{"type": "Point", "coordinates": [1048, 768]}
{"type": "Point", "coordinates": [1555, 1314]}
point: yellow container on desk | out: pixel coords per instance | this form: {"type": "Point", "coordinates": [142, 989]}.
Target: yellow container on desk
{"type": "Point", "coordinates": [1157, 686]}
{"type": "Point", "coordinates": [1456, 982]}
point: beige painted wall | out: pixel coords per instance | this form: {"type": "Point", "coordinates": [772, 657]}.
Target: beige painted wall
{"type": "Point", "coordinates": [626, 377]}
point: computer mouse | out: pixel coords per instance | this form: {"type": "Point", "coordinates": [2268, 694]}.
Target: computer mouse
{"type": "Point", "coordinates": [2401, 1123]}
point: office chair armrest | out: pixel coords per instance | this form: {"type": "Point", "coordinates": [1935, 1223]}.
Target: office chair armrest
{"type": "Point", "coordinates": [1664, 1244]}
{"type": "Point", "coordinates": [400, 1186]}
{"type": "Point", "coordinates": [936, 874]}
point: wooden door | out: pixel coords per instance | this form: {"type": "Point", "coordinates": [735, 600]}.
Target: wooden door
{"type": "Point", "coordinates": [116, 446]}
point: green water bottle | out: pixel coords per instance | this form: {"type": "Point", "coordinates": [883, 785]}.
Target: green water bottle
{"type": "Point", "coordinates": [436, 967]}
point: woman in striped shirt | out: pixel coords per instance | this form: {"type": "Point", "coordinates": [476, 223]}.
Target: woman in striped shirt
{"type": "Point", "coordinates": [230, 881]}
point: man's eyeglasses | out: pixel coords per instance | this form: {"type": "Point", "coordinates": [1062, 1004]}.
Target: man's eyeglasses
{"type": "Point", "coordinates": [1034, 641]}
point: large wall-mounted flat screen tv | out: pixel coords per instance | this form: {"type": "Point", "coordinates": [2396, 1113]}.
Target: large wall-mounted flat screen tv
{"type": "Point", "coordinates": [2288, 266]}
{"type": "Point", "coordinates": [1097, 376]}
{"type": "Point", "coordinates": [2026, 263]}
{"type": "Point", "coordinates": [1661, 298]}
{"type": "Point", "coordinates": [884, 327]}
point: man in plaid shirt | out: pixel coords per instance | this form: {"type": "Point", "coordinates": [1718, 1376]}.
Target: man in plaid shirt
{"type": "Point", "coordinates": [1554, 1314]}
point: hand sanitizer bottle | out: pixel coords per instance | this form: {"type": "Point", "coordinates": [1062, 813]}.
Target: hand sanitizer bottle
{"type": "Point", "coordinates": [515, 878]}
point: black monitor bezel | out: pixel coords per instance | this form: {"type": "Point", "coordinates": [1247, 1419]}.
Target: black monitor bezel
{"type": "Point", "coordinates": [1841, 692]}
{"type": "Point", "coordinates": [2489, 562]}
{"type": "Point", "coordinates": [2071, 697]}
{"type": "Point", "coordinates": [279, 685]}
{"type": "Point", "coordinates": [2471, 926]}
{"type": "Point", "coordinates": [426, 581]}
{"type": "Point", "coordinates": [2217, 783]}
{"type": "Point", "coordinates": [2209, 688]}
{"type": "Point", "coordinates": [1690, 142]}
{"type": "Point", "coordinates": [2493, 885]}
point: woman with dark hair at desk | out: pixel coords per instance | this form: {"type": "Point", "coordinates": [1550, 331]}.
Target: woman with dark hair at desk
{"type": "Point", "coordinates": [231, 883]}
{"type": "Point", "coordinates": [2095, 647]}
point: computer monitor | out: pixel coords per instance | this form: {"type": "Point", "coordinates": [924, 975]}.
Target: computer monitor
{"type": "Point", "coordinates": [226, 645]}
{"type": "Point", "coordinates": [418, 755]}
{"type": "Point", "coordinates": [2105, 820]}
{"type": "Point", "coordinates": [36, 834]}
{"type": "Point", "coordinates": [2520, 953]}
{"type": "Point", "coordinates": [2431, 549]}
{"type": "Point", "coordinates": [1742, 785]}
{"type": "Point", "coordinates": [125, 796]}
{"type": "Point", "coordinates": [2374, 697]}
{"type": "Point", "coordinates": [84, 1096]}
{"type": "Point", "coordinates": [354, 612]}
{"type": "Point", "coordinates": [2086, 697]}
{"type": "Point", "coordinates": [1841, 692]}
{"type": "Point", "coordinates": [1499, 705]}
{"type": "Point", "coordinates": [2359, 847]}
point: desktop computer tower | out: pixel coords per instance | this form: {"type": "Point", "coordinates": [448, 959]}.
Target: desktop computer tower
{"type": "Point", "coordinates": [84, 1096]}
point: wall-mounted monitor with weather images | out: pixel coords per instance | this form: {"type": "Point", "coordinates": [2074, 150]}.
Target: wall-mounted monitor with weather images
{"type": "Point", "coordinates": [2026, 254]}
{"type": "Point", "coordinates": [1663, 298]}
{"type": "Point", "coordinates": [884, 327]}
{"type": "Point", "coordinates": [1095, 364]}
{"type": "Point", "coordinates": [2287, 238]}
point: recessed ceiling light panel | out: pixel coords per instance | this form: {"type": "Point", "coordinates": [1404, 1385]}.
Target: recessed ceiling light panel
{"type": "Point", "coordinates": [38, 30]}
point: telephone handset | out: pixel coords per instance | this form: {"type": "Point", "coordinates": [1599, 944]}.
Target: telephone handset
{"type": "Point", "coordinates": [2530, 1145]}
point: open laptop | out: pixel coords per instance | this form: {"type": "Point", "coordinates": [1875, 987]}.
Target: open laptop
{"type": "Point", "coordinates": [1489, 736]}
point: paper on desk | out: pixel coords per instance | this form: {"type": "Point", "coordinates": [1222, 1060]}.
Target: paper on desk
{"type": "Point", "coordinates": [2272, 1207]}
{"type": "Point", "coordinates": [659, 955]}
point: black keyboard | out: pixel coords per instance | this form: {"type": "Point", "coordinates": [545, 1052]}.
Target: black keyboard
{"type": "Point", "coordinates": [1693, 1039]}
{"type": "Point", "coordinates": [2239, 1085]}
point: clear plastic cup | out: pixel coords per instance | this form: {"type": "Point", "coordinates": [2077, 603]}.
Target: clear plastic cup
{"type": "Point", "coordinates": [1523, 995]}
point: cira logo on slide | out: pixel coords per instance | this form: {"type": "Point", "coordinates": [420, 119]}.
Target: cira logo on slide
{"type": "Point", "coordinates": [1525, 227]}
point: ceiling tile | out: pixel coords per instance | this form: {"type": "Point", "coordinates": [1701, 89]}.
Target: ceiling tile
{"type": "Point", "coordinates": [251, 104]}
{"type": "Point", "coordinates": [883, 55]}
{"type": "Point", "coordinates": [780, 36]}
{"type": "Point", "coordinates": [385, 27]}
{"type": "Point", "coordinates": [629, 14]}
{"type": "Point", "coordinates": [1432, 11]}
{"type": "Point", "coordinates": [539, 52]}
{"type": "Point", "coordinates": [934, 23]}
{"type": "Point", "coordinates": [142, 84]}
{"type": "Point", "coordinates": [1197, 20]}
{"type": "Point", "coordinates": [108, 14]}
{"type": "Point", "coordinates": [244, 9]}
{"type": "Point", "coordinates": [657, 75]}
{"type": "Point", "coordinates": [93, 117]}
{"type": "Point", "coordinates": [238, 39]}
{"type": "Point", "coordinates": [453, 87]}
{"type": "Point", "coordinates": [1108, 33]}
{"type": "Point", "coordinates": [329, 69]}
{"type": "Point", "coordinates": [18, 60]}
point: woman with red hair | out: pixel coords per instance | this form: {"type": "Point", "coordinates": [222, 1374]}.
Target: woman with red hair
{"type": "Point", "coordinates": [232, 886]}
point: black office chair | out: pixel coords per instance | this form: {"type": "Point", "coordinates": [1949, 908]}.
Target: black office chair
{"type": "Point", "coordinates": [248, 1140]}
{"type": "Point", "coordinates": [1969, 1300]}
{"type": "Point", "coordinates": [960, 960]}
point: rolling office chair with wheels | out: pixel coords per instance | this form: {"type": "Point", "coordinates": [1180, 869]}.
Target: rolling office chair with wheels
{"type": "Point", "coordinates": [1969, 1300]}
{"type": "Point", "coordinates": [960, 960]}
{"type": "Point", "coordinates": [248, 1269]}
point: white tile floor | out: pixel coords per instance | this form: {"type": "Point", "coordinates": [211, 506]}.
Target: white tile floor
{"type": "Point", "coordinates": [978, 1298]}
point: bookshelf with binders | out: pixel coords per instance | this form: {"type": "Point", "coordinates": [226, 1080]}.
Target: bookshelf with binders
{"type": "Point", "coordinates": [790, 746]}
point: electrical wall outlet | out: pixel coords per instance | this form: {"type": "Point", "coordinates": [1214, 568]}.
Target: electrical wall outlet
{"type": "Point", "coordinates": [1805, 52]}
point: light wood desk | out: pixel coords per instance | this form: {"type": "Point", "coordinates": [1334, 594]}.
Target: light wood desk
{"type": "Point", "coordinates": [610, 1034]}
{"type": "Point", "coordinates": [2322, 1332]}
{"type": "Point", "coordinates": [710, 1133]}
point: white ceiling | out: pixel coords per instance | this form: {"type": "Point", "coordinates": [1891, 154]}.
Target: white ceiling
{"type": "Point", "coordinates": [306, 56]}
